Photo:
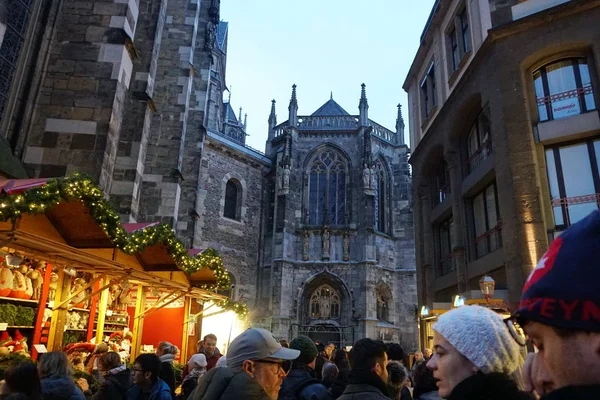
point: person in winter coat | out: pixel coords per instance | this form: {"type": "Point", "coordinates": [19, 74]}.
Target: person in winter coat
{"type": "Point", "coordinates": [55, 377]}
{"type": "Point", "coordinates": [322, 359]}
{"type": "Point", "coordinates": [211, 351]}
{"type": "Point", "coordinates": [398, 381]}
{"type": "Point", "coordinates": [196, 367]}
{"type": "Point", "coordinates": [330, 374]}
{"type": "Point", "coordinates": [255, 369]}
{"type": "Point", "coordinates": [560, 313]}
{"type": "Point", "coordinates": [368, 375]}
{"type": "Point", "coordinates": [300, 382]}
{"type": "Point", "coordinates": [116, 379]}
{"type": "Point", "coordinates": [22, 379]}
{"type": "Point", "coordinates": [146, 383]}
{"type": "Point", "coordinates": [167, 352]}
{"type": "Point", "coordinates": [425, 383]}
{"type": "Point", "coordinates": [340, 358]}
{"type": "Point", "coordinates": [475, 356]}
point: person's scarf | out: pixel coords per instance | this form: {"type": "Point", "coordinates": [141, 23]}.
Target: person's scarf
{"type": "Point", "coordinates": [115, 370]}
{"type": "Point", "coordinates": [167, 358]}
{"type": "Point", "coordinates": [368, 377]}
{"type": "Point", "coordinates": [194, 374]}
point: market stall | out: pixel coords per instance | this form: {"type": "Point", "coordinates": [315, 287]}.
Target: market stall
{"type": "Point", "coordinates": [73, 277]}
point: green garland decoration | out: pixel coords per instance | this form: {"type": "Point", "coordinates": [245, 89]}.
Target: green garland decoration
{"type": "Point", "coordinates": [241, 309]}
{"type": "Point", "coordinates": [82, 188]}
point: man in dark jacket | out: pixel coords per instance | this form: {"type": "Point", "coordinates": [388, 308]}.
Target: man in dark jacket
{"type": "Point", "coordinates": [368, 375]}
{"type": "Point", "coordinates": [560, 312]}
{"type": "Point", "coordinates": [300, 383]}
{"type": "Point", "coordinates": [255, 369]}
{"type": "Point", "coordinates": [146, 384]}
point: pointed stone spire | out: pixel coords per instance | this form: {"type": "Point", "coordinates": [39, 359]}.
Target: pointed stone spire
{"type": "Point", "coordinates": [363, 107]}
{"type": "Point", "coordinates": [272, 116]}
{"type": "Point", "coordinates": [245, 121]}
{"type": "Point", "coordinates": [331, 97]}
{"type": "Point", "coordinates": [293, 108]}
{"type": "Point", "coordinates": [400, 126]}
{"type": "Point", "coordinates": [230, 89]}
{"type": "Point", "coordinates": [240, 116]}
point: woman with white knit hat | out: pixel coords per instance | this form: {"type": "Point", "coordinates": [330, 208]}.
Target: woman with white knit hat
{"type": "Point", "coordinates": [475, 356]}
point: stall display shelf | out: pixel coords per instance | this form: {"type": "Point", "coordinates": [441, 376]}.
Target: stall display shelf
{"type": "Point", "coordinates": [77, 329]}
{"type": "Point", "coordinates": [114, 323]}
{"type": "Point", "coordinates": [79, 309]}
{"type": "Point", "coordinates": [19, 300]}
{"type": "Point", "coordinates": [20, 327]}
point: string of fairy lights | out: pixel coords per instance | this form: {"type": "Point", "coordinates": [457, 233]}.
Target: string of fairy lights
{"type": "Point", "coordinates": [82, 188]}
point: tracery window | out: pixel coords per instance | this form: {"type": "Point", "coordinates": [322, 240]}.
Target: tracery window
{"type": "Point", "coordinates": [327, 190]}
{"type": "Point", "coordinates": [18, 16]}
{"type": "Point", "coordinates": [325, 303]}
{"type": "Point", "coordinates": [380, 199]}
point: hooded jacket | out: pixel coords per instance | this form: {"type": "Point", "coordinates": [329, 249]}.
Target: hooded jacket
{"type": "Point", "coordinates": [493, 386]}
{"type": "Point", "coordinates": [60, 388]}
{"type": "Point", "coordinates": [114, 386]}
{"type": "Point", "coordinates": [300, 384]}
{"type": "Point", "coordinates": [159, 391]}
{"type": "Point", "coordinates": [224, 384]}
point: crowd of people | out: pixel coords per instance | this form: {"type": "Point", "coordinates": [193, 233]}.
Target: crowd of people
{"type": "Point", "coordinates": [477, 354]}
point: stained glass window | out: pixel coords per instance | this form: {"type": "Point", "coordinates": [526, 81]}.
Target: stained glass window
{"type": "Point", "coordinates": [18, 16]}
{"type": "Point", "coordinates": [327, 190]}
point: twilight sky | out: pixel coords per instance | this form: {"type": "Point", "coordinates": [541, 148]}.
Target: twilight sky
{"type": "Point", "coordinates": [322, 46]}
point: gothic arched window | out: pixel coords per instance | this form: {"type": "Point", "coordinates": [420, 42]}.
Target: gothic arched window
{"type": "Point", "coordinates": [383, 303]}
{"type": "Point", "coordinates": [233, 201]}
{"type": "Point", "coordinates": [325, 303]}
{"type": "Point", "coordinates": [327, 190]}
{"type": "Point", "coordinates": [380, 199]}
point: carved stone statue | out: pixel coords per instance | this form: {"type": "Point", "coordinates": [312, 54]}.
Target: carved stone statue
{"type": "Point", "coordinates": [346, 247]}
{"type": "Point", "coordinates": [306, 252]}
{"type": "Point", "coordinates": [326, 243]}
{"type": "Point", "coordinates": [286, 177]}
{"type": "Point", "coordinates": [366, 177]}
{"type": "Point", "coordinates": [373, 178]}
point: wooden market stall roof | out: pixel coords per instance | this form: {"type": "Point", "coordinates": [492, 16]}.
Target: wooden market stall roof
{"type": "Point", "coordinates": [69, 220]}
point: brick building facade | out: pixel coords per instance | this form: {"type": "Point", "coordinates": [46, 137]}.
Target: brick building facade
{"type": "Point", "coordinates": [504, 130]}
{"type": "Point", "coordinates": [131, 93]}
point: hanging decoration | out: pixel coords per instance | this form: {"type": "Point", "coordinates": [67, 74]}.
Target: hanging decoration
{"type": "Point", "coordinates": [77, 186]}
{"type": "Point", "coordinates": [239, 308]}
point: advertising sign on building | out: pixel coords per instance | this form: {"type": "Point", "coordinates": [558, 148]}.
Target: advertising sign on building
{"type": "Point", "coordinates": [566, 107]}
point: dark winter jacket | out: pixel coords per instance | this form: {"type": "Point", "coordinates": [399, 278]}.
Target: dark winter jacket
{"type": "Point", "coordinates": [339, 385]}
{"type": "Point", "coordinates": [574, 393]}
{"type": "Point", "coordinates": [167, 374]}
{"type": "Point", "coordinates": [319, 366]}
{"type": "Point", "coordinates": [224, 384]}
{"type": "Point", "coordinates": [114, 386]}
{"type": "Point", "coordinates": [300, 384]}
{"type": "Point", "coordinates": [488, 387]}
{"type": "Point", "coordinates": [159, 391]}
{"type": "Point", "coordinates": [364, 385]}
{"type": "Point", "coordinates": [60, 388]}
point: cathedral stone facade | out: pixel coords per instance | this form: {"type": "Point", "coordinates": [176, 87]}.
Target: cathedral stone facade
{"type": "Point", "coordinates": [316, 231]}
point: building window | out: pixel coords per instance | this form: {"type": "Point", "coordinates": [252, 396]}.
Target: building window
{"type": "Point", "coordinates": [573, 177]}
{"type": "Point", "coordinates": [445, 260]}
{"type": "Point", "coordinates": [428, 95]}
{"type": "Point", "coordinates": [380, 199]}
{"type": "Point", "coordinates": [459, 39]}
{"type": "Point", "coordinates": [18, 14]}
{"type": "Point", "coordinates": [325, 303]}
{"type": "Point", "coordinates": [563, 89]}
{"type": "Point", "coordinates": [233, 201]}
{"type": "Point", "coordinates": [384, 300]}
{"type": "Point", "coordinates": [487, 222]}
{"type": "Point", "coordinates": [479, 141]}
{"type": "Point", "coordinates": [441, 184]}
{"type": "Point", "coordinates": [327, 190]}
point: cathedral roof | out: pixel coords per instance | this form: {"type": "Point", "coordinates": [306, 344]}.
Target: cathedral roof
{"type": "Point", "coordinates": [229, 113]}
{"type": "Point", "coordinates": [221, 34]}
{"type": "Point", "coordinates": [330, 109]}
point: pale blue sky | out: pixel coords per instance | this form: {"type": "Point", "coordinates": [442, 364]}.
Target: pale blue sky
{"type": "Point", "coordinates": [321, 46]}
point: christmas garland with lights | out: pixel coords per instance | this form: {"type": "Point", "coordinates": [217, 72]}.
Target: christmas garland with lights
{"type": "Point", "coordinates": [55, 191]}
{"type": "Point", "coordinates": [239, 308]}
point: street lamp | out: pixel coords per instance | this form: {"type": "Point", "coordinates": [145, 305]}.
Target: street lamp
{"type": "Point", "coordinates": [458, 301]}
{"type": "Point", "coordinates": [487, 285]}
{"type": "Point", "coordinates": [424, 311]}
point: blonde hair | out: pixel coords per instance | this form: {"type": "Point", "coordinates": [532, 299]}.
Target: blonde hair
{"type": "Point", "coordinates": [167, 348]}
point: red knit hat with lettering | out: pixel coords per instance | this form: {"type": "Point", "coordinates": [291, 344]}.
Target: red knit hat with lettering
{"type": "Point", "coordinates": [564, 288]}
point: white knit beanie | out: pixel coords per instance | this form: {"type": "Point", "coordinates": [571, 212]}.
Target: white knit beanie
{"type": "Point", "coordinates": [482, 337]}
